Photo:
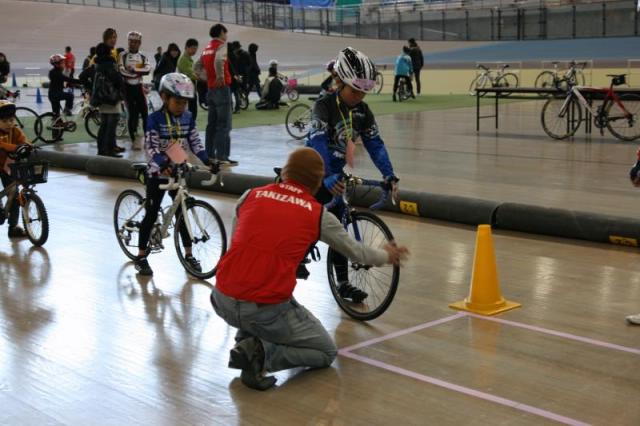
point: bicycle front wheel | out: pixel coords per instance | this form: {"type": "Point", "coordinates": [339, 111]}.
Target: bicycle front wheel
{"type": "Point", "coordinates": [561, 117]}
{"type": "Point", "coordinates": [35, 220]}
{"type": "Point", "coordinates": [379, 83]}
{"type": "Point", "coordinates": [92, 123]}
{"type": "Point", "coordinates": [293, 95]}
{"type": "Point", "coordinates": [480, 82]}
{"type": "Point", "coordinates": [26, 119]}
{"type": "Point", "coordinates": [507, 81]}
{"type": "Point", "coordinates": [379, 282]}
{"type": "Point", "coordinates": [208, 240]}
{"type": "Point", "coordinates": [298, 121]}
{"type": "Point", "coordinates": [49, 127]}
{"type": "Point", "coordinates": [128, 213]}
{"type": "Point", "coordinates": [625, 125]}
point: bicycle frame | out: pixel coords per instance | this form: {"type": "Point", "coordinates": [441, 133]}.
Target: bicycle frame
{"type": "Point", "coordinates": [14, 193]}
{"type": "Point", "coordinates": [610, 96]}
{"type": "Point", "coordinates": [180, 200]}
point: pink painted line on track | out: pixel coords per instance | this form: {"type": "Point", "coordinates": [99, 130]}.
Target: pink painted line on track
{"type": "Point", "coordinates": [464, 390]}
{"type": "Point", "coordinates": [559, 334]}
{"type": "Point", "coordinates": [402, 332]}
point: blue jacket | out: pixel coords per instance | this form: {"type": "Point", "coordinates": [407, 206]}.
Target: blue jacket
{"type": "Point", "coordinates": [403, 65]}
{"type": "Point", "coordinates": [328, 136]}
{"type": "Point", "coordinates": [159, 134]}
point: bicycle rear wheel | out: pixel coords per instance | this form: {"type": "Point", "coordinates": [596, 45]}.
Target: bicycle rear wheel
{"type": "Point", "coordinates": [559, 120]}
{"type": "Point", "coordinates": [92, 123]}
{"type": "Point", "coordinates": [26, 119]}
{"type": "Point", "coordinates": [379, 282]}
{"type": "Point", "coordinates": [545, 80]}
{"type": "Point", "coordinates": [293, 95]}
{"type": "Point", "coordinates": [209, 239]}
{"type": "Point", "coordinates": [625, 126]}
{"type": "Point", "coordinates": [128, 213]}
{"type": "Point", "coordinates": [50, 128]}
{"type": "Point", "coordinates": [298, 121]}
{"type": "Point", "coordinates": [35, 220]}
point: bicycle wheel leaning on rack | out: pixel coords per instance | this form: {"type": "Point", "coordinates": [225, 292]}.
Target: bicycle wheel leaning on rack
{"type": "Point", "coordinates": [561, 117]}
{"type": "Point", "coordinates": [619, 124]}
{"type": "Point", "coordinates": [481, 81]}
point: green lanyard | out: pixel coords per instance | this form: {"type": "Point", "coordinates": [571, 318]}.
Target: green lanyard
{"type": "Point", "coordinates": [348, 130]}
{"type": "Point", "coordinates": [171, 129]}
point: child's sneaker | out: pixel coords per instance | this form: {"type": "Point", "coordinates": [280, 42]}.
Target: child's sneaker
{"type": "Point", "coordinates": [193, 262]}
{"type": "Point", "coordinates": [142, 266]}
{"type": "Point", "coordinates": [16, 232]}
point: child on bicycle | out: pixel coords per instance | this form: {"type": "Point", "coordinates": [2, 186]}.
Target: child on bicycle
{"type": "Point", "coordinates": [56, 86]}
{"type": "Point", "coordinates": [338, 120]}
{"type": "Point", "coordinates": [403, 71]}
{"type": "Point", "coordinates": [171, 128]}
{"type": "Point", "coordinates": [11, 137]}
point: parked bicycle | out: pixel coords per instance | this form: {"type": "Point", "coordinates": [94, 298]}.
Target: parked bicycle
{"type": "Point", "coordinates": [290, 87]}
{"type": "Point", "coordinates": [561, 117]}
{"type": "Point", "coordinates": [25, 117]}
{"type": "Point", "coordinates": [574, 76]}
{"type": "Point", "coordinates": [27, 174]}
{"type": "Point", "coordinates": [377, 284]}
{"type": "Point", "coordinates": [298, 121]}
{"type": "Point", "coordinates": [202, 222]}
{"type": "Point", "coordinates": [50, 128]}
{"type": "Point", "coordinates": [498, 79]}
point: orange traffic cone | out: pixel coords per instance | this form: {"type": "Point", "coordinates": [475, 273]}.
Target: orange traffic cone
{"type": "Point", "coordinates": [484, 296]}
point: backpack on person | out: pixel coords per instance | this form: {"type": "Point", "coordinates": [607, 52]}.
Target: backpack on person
{"type": "Point", "coordinates": [104, 90]}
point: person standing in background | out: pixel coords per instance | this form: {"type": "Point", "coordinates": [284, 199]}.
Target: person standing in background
{"type": "Point", "coordinates": [158, 56]}
{"type": "Point", "coordinates": [216, 65]}
{"type": "Point", "coordinates": [253, 82]}
{"type": "Point", "coordinates": [5, 68]}
{"type": "Point", "coordinates": [87, 61]}
{"type": "Point", "coordinates": [69, 62]}
{"type": "Point", "coordinates": [417, 60]}
{"type": "Point", "coordinates": [185, 66]}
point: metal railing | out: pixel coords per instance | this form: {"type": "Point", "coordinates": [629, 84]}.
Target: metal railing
{"type": "Point", "coordinates": [468, 20]}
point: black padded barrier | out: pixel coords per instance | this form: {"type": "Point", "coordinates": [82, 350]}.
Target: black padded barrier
{"type": "Point", "coordinates": [471, 211]}
{"type": "Point", "coordinates": [568, 223]}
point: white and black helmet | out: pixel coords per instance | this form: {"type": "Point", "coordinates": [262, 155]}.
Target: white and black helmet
{"type": "Point", "coordinates": [355, 69]}
{"type": "Point", "coordinates": [177, 84]}
{"type": "Point", "coordinates": [134, 36]}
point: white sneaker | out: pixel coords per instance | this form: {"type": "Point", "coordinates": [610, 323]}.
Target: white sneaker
{"type": "Point", "coordinates": [634, 319]}
{"type": "Point", "coordinates": [137, 143]}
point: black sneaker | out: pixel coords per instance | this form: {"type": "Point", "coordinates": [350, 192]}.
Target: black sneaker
{"type": "Point", "coordinates": [142, 266]}
{"type": "Point", "coordinates": [248, 355]}
{"type": "Point", "coordinates": [231, 162]}
{"type": "Point", "coordinates": [16, 232]}
{"type": "Point", "coordinates": [347, 291]}
{"type": "Point", "coordinates": [193, 263]}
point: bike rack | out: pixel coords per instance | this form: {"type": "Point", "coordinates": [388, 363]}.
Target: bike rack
{"type": "Point", "coordinates": [633, 72]}
{"type": "Point", "coordinates": [563, 66]}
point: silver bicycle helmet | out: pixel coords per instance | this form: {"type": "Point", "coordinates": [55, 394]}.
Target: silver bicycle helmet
{"type": "Point", "coordinates": [356, 70]}
{"type": "Point", "coordinates": [177, 84]}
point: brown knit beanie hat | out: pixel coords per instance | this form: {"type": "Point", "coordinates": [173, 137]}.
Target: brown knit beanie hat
{"type": "Point", "coordinates": [304, 166]}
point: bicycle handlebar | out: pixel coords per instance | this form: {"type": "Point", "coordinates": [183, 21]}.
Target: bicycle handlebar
{"type": "Point", "coordinates": [352, 181]}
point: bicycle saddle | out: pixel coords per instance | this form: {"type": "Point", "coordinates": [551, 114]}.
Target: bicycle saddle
{"type": "Point", "coordinates": [618, 79]}
{"type": "Point", "coordinates": [139, 166]}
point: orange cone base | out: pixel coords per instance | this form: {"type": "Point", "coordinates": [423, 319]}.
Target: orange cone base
{"type": "Point", "coordinates": [490, 309]}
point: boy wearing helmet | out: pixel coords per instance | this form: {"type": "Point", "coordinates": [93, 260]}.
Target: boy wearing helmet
{"type": "Point", "coordinates": [11, 137]}
{"type": "Point", "coordinates": [172, 125]}
{"type": "Point", "coordinates": [56, 86]}
{"type": "Point", "coordinates": [133, 66]}
{"type": "Point", "coordinates": [338, 119]}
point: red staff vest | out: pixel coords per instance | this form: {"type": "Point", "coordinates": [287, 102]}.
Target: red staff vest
{"type": "Point", "coordinates": [275, 227]}
{"type": "Point", "coordinates": [208, 61]}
